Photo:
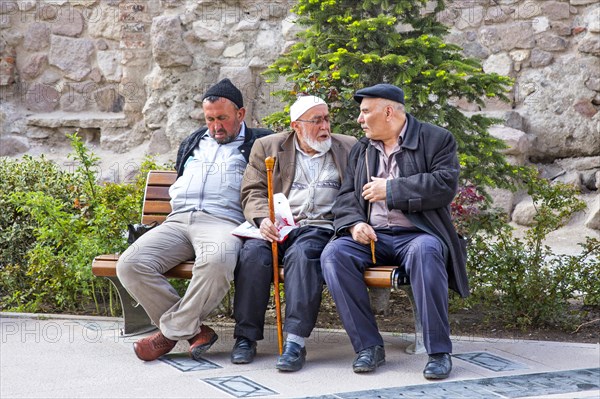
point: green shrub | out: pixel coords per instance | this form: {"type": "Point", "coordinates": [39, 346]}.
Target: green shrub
{"type": "Point", "coordinates": [53, 224]}
{"type": "Point", "coordinates": [520, 281]}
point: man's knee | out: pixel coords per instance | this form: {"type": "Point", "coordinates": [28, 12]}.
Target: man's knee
{"type": "Point", "coordinates": [255, 259]}
{"type": "Point", "coordinates": [128, 264]}
{"type": "Point", "coordinates": [425, 246]}
{"type": "Point", "coordinates": [256, 252]}
{"type": "Point", "coordinates": [330, 257]}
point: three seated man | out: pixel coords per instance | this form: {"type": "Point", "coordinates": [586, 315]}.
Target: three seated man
{"type": "Point", "coordinates": [392, 188]}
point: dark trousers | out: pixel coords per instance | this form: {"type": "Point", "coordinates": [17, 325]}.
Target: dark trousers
{"type": "Point", "coordinates": [344, 261]}
{"type": "Point", "coordinates": [300, 255]}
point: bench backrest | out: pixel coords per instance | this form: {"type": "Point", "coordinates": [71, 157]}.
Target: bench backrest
{"type": "Point", "coordinates": [157, 203]}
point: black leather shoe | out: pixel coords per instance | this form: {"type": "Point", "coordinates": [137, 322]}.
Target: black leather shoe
{"type": "Point", "coordinates": [368, 359]}
{"type": "Point", "coordinates": [292, 358]}
{"type": "Point", "coordinates": [243, 351]}
{"type": "Point", "coordinates": [438, 367]}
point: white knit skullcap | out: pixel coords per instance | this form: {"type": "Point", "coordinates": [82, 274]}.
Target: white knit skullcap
{"type": "Point", "coordinates": [302, 105]}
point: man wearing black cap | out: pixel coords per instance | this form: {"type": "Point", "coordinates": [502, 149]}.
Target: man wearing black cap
{"type": "Point", "coordinates": [205, 202]}
{"type": "Point", "coordinates": [397, 191]}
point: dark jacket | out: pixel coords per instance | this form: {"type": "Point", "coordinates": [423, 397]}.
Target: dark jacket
{"type": "Point", "coordinates": [428, 182]}
{"type": "Point", "coordinates": [187, 146]}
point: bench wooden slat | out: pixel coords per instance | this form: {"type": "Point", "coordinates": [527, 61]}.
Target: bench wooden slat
{"type": "Point", "coordinates": [160, 193]}
{"type": "Point", "coordinates": [161, 178]}
{"type": "Point", "coordinates": [149, 219]}
{"type": "Point", "coordinates": [106, 266]}
{"type": "Point", "coordinates": [152, 207]}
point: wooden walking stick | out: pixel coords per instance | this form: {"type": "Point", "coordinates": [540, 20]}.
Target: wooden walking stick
{"type": "Point", "coordinates": [270, 162]}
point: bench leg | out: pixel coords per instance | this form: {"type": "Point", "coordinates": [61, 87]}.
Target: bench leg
{"type": "Point", "coordinates": [418, 346]}
{"type": "Point", "coordinates": [135, 319]}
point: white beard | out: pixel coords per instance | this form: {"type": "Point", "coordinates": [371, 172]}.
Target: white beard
{"type": "Point", "coordinates": [319, 146]}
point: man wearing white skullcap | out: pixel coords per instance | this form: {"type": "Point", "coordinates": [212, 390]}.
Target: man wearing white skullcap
{"type": "Point", "coordinates": [309, 167]}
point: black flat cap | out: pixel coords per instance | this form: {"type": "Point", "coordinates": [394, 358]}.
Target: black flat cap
{"type": "Point", "coordinates": [382, 90]}
{"type": "Point", "coordinates": [227, 90]}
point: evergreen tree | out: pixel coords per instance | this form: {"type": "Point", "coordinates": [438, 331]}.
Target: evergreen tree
{"type": "Point", "coordinates": [349, 44]}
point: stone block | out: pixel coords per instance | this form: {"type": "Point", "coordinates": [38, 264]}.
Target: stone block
{"type": "Point", "coordinates": [593, 83]}
{"type": "Point", "coordinates": [11, 146]}
{"type": "Point", "coordinates": [235, 51]}
{"type": "Point", "coordinates": [582, 2]}
{"type": "Point", "coordinates": [500, 63]}
{"type": "Point", "coordinates": [514, 119]}
{"type": "Point", "coordinates": [159, 143]}
{"type": "Point", "coordinates": [33, 66]}
{"type": "Point", "coordinates": [168, 47]}
{"type": "Point", "coordinates": [518, 142]}
{"type": "Point", "coordinates": [109, 63]}
{"type": "Point", "coordinates": [540, 58]}
{"type": "Point", "coordinates": [518, 35]}
{"type": "Point", "coordinates": [540, 24]}
{"type": "Point", "coordinates": [109, 99]}
{"type": "Point", "coordinates": [590, 44]}
{"type": "Point", "coordinates": [73, 102]}
{"type": "Point", "coordinates": [69, 22]}
{"type": "Point", "coordinates": [550, 42]}
{"type": "Point", "coordinates": [555, 10]}
{"type": "Point", "coordinates": [496, 15]}
{"type": "Point", "coordinates": [121, 140]}
{"type": "Point", "coordinates": [524, 212]}
{"type": "Point", "coordinates": [593, 219]}
{"type": "Point", "coordinates": [502, 199]}
{"type": "Point", "coordinates": [42, 98]}
{"type": "Point", "coordinates": [561, 28]}
{"type": "Point", "coordinates": [584, 107]}
{"type": "Point", "coordinates": [7, 66]}
{"type": "Point", "coordinates": [38, 133]}
{"type": "Point", "coordinates": [289, 29]}
{"type": "Point", "coordinates": [592, 20]}
{"type": "Point", "coordinates": [72, 56]}
{"type": "Point", "coordinates": [37, 37]}
{"type": "Point", "coordinates": [105, 24]}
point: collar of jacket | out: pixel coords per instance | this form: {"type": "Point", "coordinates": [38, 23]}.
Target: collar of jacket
{"type": "Point", "coordinates": [244, 147]}
{"type": "Point", "coordinates": [411, 136]}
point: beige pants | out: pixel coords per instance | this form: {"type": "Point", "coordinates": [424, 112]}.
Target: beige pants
{"type": "Point", "coordinates": [191, 235]}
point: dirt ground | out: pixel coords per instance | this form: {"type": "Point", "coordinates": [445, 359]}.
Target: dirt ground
{"type": "Point", "coordinates": [399, 319]}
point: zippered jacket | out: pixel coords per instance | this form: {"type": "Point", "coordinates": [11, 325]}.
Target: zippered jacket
{"type": "Point", "coordinates": [187, 146]}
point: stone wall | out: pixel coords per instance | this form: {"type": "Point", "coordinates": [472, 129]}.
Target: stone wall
{"type": "Point", "coordinates": [128, 74]}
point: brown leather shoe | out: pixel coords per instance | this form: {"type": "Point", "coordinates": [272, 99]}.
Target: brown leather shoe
{"type": "Point", "coordinates": [153, 347]}
{"type": "Point", "coordinates": [202, 341]}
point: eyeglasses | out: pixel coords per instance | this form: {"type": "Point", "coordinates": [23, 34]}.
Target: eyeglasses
{"type": "Point", "coordinates": [315, 121]}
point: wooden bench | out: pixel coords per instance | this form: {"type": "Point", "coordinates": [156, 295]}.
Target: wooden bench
{"type": "Point", "coordinates": [157, 206]}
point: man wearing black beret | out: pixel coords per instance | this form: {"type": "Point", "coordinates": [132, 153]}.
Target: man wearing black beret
{"type": "Point", "coordinates": [401, 179]}
{"type": "Point", "coordinates": [206, 207]}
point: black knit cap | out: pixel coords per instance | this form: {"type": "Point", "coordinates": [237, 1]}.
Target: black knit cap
{"type": "Point", "coordinates": [227, 90]}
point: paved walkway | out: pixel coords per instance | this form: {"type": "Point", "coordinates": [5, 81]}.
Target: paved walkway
{"type": "Point", "coordinates": [84, 357]}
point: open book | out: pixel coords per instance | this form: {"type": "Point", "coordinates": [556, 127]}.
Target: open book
{"type": "Point", "coordinates": [284, 220]}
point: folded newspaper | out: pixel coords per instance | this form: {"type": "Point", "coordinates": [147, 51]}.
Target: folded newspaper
{"type": "Point", "coordinates": [284, 220]}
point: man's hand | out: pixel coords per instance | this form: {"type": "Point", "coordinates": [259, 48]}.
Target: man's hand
{"type": "Point", "coordinates": [363, 233]}
{"type": "Point", "coordinates": [375, 190]}
{"type": "Point", "coordinates": [268, 230]}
